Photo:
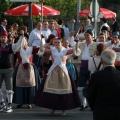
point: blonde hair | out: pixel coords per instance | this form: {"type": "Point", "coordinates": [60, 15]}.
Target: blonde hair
{"type": "Point", "coordinates": [14, 25]}
{"type": "Point", "coordinates": [55, 24]}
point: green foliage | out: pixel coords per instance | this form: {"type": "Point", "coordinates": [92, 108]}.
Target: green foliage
{"type": "Point", "coordinates": [68, 9]}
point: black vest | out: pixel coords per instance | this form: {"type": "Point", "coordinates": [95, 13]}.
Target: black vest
{"type": "Point", "coordinates": [5, 56]}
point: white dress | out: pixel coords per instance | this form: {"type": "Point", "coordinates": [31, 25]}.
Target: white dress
{"type": "Point", "coordinates": [58, 81]}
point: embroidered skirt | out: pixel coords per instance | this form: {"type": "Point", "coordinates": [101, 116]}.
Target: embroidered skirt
{"type": "Point", "coordinates": [57, 92]}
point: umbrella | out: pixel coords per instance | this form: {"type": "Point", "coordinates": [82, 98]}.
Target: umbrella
{"type": "Point", "coordinates": [23, 10]}
{"type": "Point", "coordinates": [103, 13]}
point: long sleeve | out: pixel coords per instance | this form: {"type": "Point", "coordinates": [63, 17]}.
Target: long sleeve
{"type": "Point", "coordinates": [31, 38]}
{"type": "Point", "coordinates": [17, 46]}
{"type": "Point", "coordinates": [107, 44]}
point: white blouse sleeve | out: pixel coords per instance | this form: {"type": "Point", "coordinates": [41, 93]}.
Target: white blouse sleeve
{"type": "Point", "coordinates": [17, 46]}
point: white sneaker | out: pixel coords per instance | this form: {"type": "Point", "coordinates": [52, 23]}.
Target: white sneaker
{"type": "Point", "coordinates": [2, 107]}
{"type": "Point", "coordinates": [9, 109]}
{"type": "Point", "coordinates": [63, 113]}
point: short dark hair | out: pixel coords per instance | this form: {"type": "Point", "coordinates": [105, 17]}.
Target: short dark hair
{"type": "Point", "coordinates": [89, 32]}
{"type": "Point", "coordinates": [60, 21]}
{"type": "Point", "coordinates": [104, 20]}
{"type": "Point", "coordinates": [101, 34]}
{"type": "Point", "coordinates": [104, 28]}
{"type": "Point", "coordinates": [2, 19]}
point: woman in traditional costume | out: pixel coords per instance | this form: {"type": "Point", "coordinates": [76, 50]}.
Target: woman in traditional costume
{"type": "Point", "coordinates": [70, 66]}
{"type": "Point", "coordinates": [26, 78]}
{"type": "Point", "coordinates": [46, 58]}
{"type": "Point", "coordinates": [58, 91]}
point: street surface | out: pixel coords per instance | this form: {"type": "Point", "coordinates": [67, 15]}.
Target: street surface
{"type": "Point", "coordinates": [37, 113]}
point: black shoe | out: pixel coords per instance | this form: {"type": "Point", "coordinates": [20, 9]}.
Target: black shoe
{"type": "Point", "coordinates": [83, 108]}
{"type": "Point", "coordinates": [86, 107]}
{"type": "Point", "coordinates": [19, 106]}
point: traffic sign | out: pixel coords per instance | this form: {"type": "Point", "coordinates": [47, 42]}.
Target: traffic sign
{"type": "Point", "coordinates": [97, 20]}
{"type": "Point", "coordinates": [22, 0]}
{"type": "Point", "coordinates": [94, 8]}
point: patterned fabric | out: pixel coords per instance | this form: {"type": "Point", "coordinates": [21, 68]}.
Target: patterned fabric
{"type": "Point", "coordinates": [25, 77]}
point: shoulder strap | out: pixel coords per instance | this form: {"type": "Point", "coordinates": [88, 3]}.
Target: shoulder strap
{"type": "Point", "coordinates": [99, 65]}
{"type": "Point", "coordinates": [95, 64]}
{"type": "Point", "coordinates": [97, 68]}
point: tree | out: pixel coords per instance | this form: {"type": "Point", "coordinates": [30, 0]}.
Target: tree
{"type": "Point", "coordinates": [68, 8]}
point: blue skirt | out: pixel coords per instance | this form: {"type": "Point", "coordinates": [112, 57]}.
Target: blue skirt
{"type": "Point", "coordinates": [71, 69]}
{"type": "Point", "coordinates": [25, 95]}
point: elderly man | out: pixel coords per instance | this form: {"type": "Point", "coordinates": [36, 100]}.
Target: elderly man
{"type": "Point", "coordinates": [35, 35]}
{"type": "Point", "coordinates": [104, 89]}
{"type": "Point", "coordinates": [88, 25]}
{"type": "Point", "coordinates": [88, 48]}
{"type": "Point", "coordinates": [34, 40]}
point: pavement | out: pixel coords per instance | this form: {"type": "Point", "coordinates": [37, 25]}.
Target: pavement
{"type": "Point", "coordinates": [37, 113]}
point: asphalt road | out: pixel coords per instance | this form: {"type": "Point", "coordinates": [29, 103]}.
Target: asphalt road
{"type": "Point", "coordinates": [37, 113]}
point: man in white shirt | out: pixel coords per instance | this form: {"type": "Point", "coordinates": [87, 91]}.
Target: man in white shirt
{"type": "Point", "coordinates": [84, 72]}
{"type": "Point", "coordinates": [45, 30]}
{"type": "Point", "coordinates": [35, 35]}
{"type": "Point", "coordinates": [104, 23]}
{"type": "Point", "coordinates": [34, 40]}
{"type": "Point", "coordinates": [88, 49]}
